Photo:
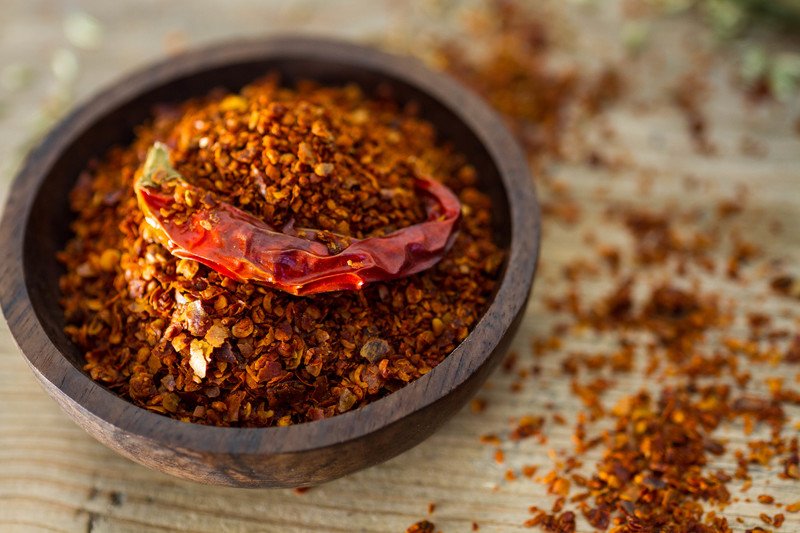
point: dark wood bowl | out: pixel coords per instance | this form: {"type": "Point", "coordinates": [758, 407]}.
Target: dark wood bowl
{"type": "Point", "coordinates": [35, 226]}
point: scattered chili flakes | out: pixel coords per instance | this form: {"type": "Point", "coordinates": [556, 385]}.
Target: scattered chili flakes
{"type": "Point", "coordinates": [765, 499]}
{"type": "Point", "coordinates": [560, 486]}
{"type": "Point", "coordinates": [791, 465]}
{"type": "Point", "coordinates": [490, 438]}
{"type": "Point", "coordinates": [792, 354]}
{"type": "Point", "coordinates": [499, 456]}
{"type": "Point", "coordinates": [527, 426]}
{"type": "Point", "coordinates": [529, 471]}
{"type": "Point", "coordinates": [423, 526]}
{"type": "Point", "coordinates": [786, 285]}
{"type": "Point", "coordinates": [517, 78]}
{"type": "Point", "coordinates": [689, 95]}
{"type": "Point", "coordinates": [653, 474]}
{"type": "Point", "coordinates": [477, 405]}
{"type": "Point", "coordinates": [561, 523]}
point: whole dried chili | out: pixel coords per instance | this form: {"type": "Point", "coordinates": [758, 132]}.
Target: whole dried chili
{"type": "Point", "coordinates": [193, 225]}
{"type": "Point", "coordinates": [182, 339]}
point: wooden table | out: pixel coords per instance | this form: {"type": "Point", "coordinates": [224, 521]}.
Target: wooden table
{"type": "Point", "coordinates": [55, 477]}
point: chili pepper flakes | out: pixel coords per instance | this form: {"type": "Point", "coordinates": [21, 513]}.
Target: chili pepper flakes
{"type": "Point", "coordinates": [654, 471]}
{"type": "Point", "coordinates": [477, 405]}
{"type": "Point", "coordinates": [183, 340]}
{"type": "Point", "coordinates": [423, 526]}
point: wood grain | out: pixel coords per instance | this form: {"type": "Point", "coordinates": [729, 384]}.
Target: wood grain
{"type": "Point", "coordinates": [54, 477]}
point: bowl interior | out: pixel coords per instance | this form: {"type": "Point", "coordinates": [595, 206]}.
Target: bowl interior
{"type": "Point", "coordinates": [47, 229]}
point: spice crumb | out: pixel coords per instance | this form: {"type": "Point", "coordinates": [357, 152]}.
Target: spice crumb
{"type": "Point", "coordinates": [423, 526]}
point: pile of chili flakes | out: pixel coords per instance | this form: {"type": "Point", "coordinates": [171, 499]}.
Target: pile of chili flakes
{"type": "Point", "coordinates": [654, 447]}
{"type": "Point", "coordinates": [328, 158]}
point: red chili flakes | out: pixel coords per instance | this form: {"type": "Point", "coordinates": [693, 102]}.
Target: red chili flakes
{"type": "Point", "coordinates": [655, 446]}
{"type": "Point", "coordinates": [562, 523]}
{"type": "Point", "coordinates": [677, 318]}
{"type": "Point", "coordinates": [431, 507]}
{"type": "Point", "coordinates": [791, 465]}
{"type": "Point", "coordinates": [792, 354]}
{"type": "Point", "coordinates": [689, 95]}
{"type": "Point", "coordinates": [499, 456]}
{"type": "Point", "coordinates": [743, 252]}
{"type": "Point", "coordinates": [180, 339]}
{"type": "Point", "coordinates": [729, 208]}
{"type": "Point", "coordinates": [527, 426]}
{"type": "Point", "coordinates": [423, 526]}
{"type": "Point", "coordinates": [672, 434]}
{"type": "Point", "coordinates": [657, 238]}
{"type": "Point", "coordinates": [598, 517]}
{"type": "Point", "coordinates": [477, 405]}
{"type": "Point", "coordinates": [536, 520]}
{"type": "Point", "coordinates": [510, 362]}
{"type": "Point", "coordinates": [786, 285]}
{"type": "Point", "coordinates": [793, 507]}
{"type": "Point", "coordinates": [765, 499]}
{"type": "Point", "coordinates": [590, 394]}
{"type": "Point", "coordinates": [490, 438]}
{"type": "Point", "coordinates": [560, 486]}
{"type": "Point", "coordinates": [616, 308]}
{"type": "Point", "coordinates": [517, 78]}
{"type": "Point", "coordinates": [529, 471]}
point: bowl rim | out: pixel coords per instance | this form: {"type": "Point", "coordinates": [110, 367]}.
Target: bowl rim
{"type": "Point", "coordinates": [50, 365]}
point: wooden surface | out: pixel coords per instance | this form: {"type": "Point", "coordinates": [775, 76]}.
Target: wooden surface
{"type": "Point", "coordinates": [54, 477]}
{"type": "Point", "coordinates": [302, 454]}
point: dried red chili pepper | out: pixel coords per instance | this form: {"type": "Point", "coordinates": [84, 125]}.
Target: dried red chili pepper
{"type": "Point", "coordinates": [194, 225]}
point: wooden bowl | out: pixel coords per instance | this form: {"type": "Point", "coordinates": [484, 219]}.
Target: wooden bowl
{"type": "Point", "coordinates": [35, 226]}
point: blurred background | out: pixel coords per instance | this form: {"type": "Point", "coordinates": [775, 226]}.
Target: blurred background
{"type": "Point", "coordinates": [54, 53]}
